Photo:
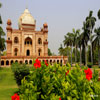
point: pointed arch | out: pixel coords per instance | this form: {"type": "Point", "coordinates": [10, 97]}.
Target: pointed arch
{"type": "Point", "coordinates": [39, 41]}
{"type": "Point", "coordinates": [16, 40]}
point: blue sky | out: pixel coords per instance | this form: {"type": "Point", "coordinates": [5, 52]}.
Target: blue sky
{"type": "Point", "coordinates": [61, 15]}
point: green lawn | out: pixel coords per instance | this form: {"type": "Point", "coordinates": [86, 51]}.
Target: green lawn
{"type": "Point", "coordinates": [7, 84]}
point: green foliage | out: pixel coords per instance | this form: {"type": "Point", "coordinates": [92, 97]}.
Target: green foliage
{"type": "Point", "coordinates": [20, 71]}
{"type": "Point", "coordinates": [51, 83]}
{"type": "Point", "coordinates": [0, 15]}
{"type": "Point", "coordinates": [89, 64]}
{"type": "Point", "coordinates": [4, 53]}
{"type": "Point", "coordinates": [98, 14]}
{"type": "Point", "coordinates": [2, 39]}
{"type": "Point", "coordinates": [49, 52]}
{"type": "Point", "coordinates": [65, 51]}
{"type": "Point", "coordinates": [0, 5]}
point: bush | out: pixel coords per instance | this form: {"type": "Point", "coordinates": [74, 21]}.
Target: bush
{"type": "Point", "coordinates": [54, 82]}
{"type": "Point", "coordinates": [20, 71]}
{"type": "Point", "coordinates": [89, 64]}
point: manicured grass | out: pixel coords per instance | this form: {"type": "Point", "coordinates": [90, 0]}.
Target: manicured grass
{"type": "Point", "coordinates": [8, 84]}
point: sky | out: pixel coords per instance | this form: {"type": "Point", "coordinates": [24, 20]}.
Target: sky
{"type": "Point", "coordinates": [61, 15]}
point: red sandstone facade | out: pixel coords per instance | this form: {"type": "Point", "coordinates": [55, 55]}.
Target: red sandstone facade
{"type": "Point", "coordinates": [25, 44]}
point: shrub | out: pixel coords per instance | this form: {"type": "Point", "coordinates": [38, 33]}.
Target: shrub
{"type": "Point", "coordinates": [89, 64]}
{"type": "Point", "coordinates": [54, 82]}
{"type": "Point", "coordinates": [20, 71]}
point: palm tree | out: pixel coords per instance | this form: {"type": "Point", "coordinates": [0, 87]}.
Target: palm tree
{"type": "Point", "coordinates": [79, 42]}
{"type": "Point", "coordinates": [0, 5]}
{"type": "Point", "coordinates": [76, 34]}
{"type": "Point", "coordinates": [0, 15]}
{"type": "Point", "coordinates": [61, 49]}
{"type": "Point", "coordinates": [98, 14]}
{"type": "Point", "coordinates": [90, 23]}
{"type": "Point", "coordinates": [85, 38]}
{"type": "Point", "coordinates": [97, 42]}
{"type": "Point", "coordinates": [69, 40]}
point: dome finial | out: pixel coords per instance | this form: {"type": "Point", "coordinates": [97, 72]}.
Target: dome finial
{"type": "Point", "coordinates": [26, 10]}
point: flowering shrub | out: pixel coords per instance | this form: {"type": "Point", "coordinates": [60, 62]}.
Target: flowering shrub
{"type": "Point", "coordinates": [55, 82]}
{"type": "Point", "coordinates": [15, 97]}
{"type": "Point", "coordinates": [37, 64]}
{"type": "Point", "coordinates": [88, 73]}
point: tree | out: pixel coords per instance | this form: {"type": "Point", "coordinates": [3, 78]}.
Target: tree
{"type": "Point", "coordinates": [2, 40]}
{"type": "Point", "coordinates": [65, 51]}
{"type": "Point", "coordinates": [97, 42]}
{"type": "Point", "coordinates": [76, 34]}
{"type": "Point", "coordinates": [85, 38]}
{"type": "Point", "coordinates": [90, 22]}
{"type": "Point", "coordinates": [0, 15]}
{"type": "Point", "coordinates": [49, 52]}
{"type": "Point", "coordinates": [61, 50]}
{"type": "Point", "coordinates": [4, 53]}
{"type": "Point", "coordinates": [79, 42]}
{"type": "Point", "coordinates": [68, 41]}
{"type": "Point", "coordinates": [98, 14]}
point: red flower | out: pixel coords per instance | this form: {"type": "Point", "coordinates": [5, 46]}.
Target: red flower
{"type": "Point", "coordinates": [37, 64]}
{"type": "Point", "coordinates": [60, 98]}
{"type": "Point", "coordinates": [67, 72]}
{"type": "Point", "coordinates": [46, 63]}
{"type": "Point", "coordinates": [88, 73]}
{"type": "Point", "coordinates": [15, 97]}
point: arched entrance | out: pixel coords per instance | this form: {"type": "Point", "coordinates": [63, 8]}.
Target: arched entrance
{"type": "Point", "coordinates": [11, 62]}
{"type": "Point", "coordinates": [28, 41]}
{"type": "Point", "coordinates": [7, 62]}
{"type": "Point", "coordinates": [26, 61]}
{"type": "Point", "coordinates": [2, 62]}
{"type": "Point", "coordinates": [28, 53]}
{"type": "Point", "coordinates": [30, 62]}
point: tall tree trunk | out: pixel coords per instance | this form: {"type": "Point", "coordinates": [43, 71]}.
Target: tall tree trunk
{"type": "Point", "coordinates": [85, 55]}
{"type": "Point", "coordinates": [80, 57]}
{"type": "Point", "coordinates": [91, 52]}
{"type": "Point", "coordinates": [0, 58]}
{"type": "Point", "coordinates": [71, 54]}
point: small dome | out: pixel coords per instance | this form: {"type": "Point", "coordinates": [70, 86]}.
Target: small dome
{"type": "Point", "coordinates": [45, 24]}
{"type": "Point", "coordinates": [26, 18]}
{"type": "Point", "coordinates": [8, 22]}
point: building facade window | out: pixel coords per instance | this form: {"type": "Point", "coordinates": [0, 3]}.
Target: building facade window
{"type": "Point", "coordinates": [39, 41]}
{"type": "Point", "coordinates": [28, 53]}
{"type": "Point", "coordinates": [8, 38]}
{"type": "Point", "coordinates": [16, 40]}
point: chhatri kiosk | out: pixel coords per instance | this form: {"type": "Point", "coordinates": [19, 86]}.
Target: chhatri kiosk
{"type": "Point", "coordinates": [26, 43]}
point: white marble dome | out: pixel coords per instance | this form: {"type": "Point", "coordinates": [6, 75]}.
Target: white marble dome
{"type": "Point", "coordinates": [26, 18]}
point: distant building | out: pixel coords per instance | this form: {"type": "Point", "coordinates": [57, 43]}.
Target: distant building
{"type": "Point", "coordinates": [25, 44]}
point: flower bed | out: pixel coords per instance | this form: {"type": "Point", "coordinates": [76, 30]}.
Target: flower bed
{"type": "Point", "coordinates": [47, 82]}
